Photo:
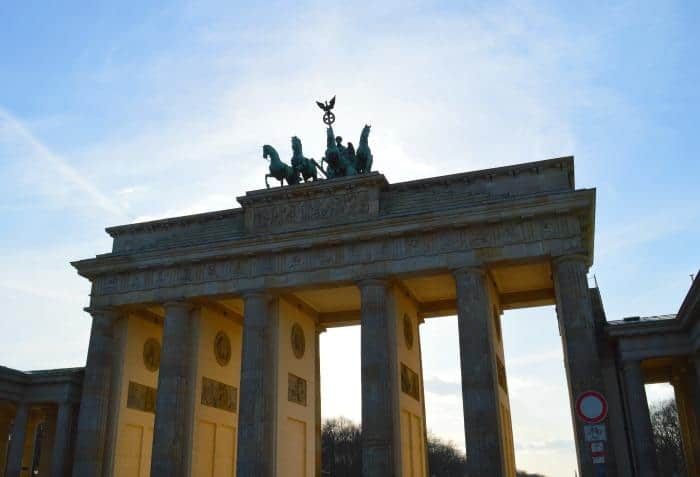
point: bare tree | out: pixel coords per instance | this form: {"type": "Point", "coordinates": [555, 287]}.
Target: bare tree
{"type": "Point", "coordinates": [444, 459]}
{"type": "Point", "coordinates": [341, 448]}
{"type": "Point", "coordinates": [341, 444]}
{"type": "Point", "coordinates": [667, 437]}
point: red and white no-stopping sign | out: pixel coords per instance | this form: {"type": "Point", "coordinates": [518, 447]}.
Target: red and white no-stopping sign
{"type": "Point", "coordinates": [591, 407]}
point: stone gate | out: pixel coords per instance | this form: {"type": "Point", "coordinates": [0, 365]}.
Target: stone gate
{"type": "Point", "coordinates": [204, 351]}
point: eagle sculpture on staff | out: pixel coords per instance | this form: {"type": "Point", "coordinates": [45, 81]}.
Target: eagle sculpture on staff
{"type": "Point", "coordinates": [328, 116]}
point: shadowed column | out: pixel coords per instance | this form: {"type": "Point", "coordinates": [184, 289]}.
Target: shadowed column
{"type": "Point", "coordinates": [640, 421]}
{"type": "Point", "coordinates": [686, 393]}
{"type": "Point", "coordinates": [318, 423]}
{"type": "Point", "coordinates": [94, 404]}
{"type": "Point", "coordinates": [16, 451]}
{"type": "Point", "coordinates": [582, 362]}
{"type": "Point", "coordinates": [257, 416]}
{"type": "Point", "coordinates": [62, 438]}
{"type": "Point", "coordinates": [482, 420]}
{"type": "Point", "coordinates": [379, 446]}
{"type": "Point", "coordinates": [173, 428]}
{"type": "Point", "coordinates": [694, 384]}
{"type": "Point", "coordinates": [5, 428]}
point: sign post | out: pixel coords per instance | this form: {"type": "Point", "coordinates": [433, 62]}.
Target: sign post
{"type": "Point", "coordinates": [592, 408]}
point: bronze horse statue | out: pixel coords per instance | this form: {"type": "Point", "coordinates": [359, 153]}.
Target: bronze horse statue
{"type": "Point", "coordinates": [340, 160]}
{"type": "Point", "coordinates": [278, 169]}
{"type": "Point", "coordinates": [363, 156]}
{"type": "Point", "coordinates": [306, 167]}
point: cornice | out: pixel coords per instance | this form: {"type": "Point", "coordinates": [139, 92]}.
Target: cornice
{"type": "Point", "coordinates": [153, 225]}
{"type": "Point", "coordinates": [643, 328]}
{"type": "Point", "coordinates": [562, 163]}
{"type": "Point", "coordinates": [522, 207]}
{"type": "Point", "coordinates": [319, 188]}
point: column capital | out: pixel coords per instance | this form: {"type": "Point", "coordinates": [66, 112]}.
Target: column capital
{"type": "Point", "coordinates": [572, 257]}
{"type": "Point", "coordinates": [631, 363]}
{"type": "Point", "coordinates": [178, 304]}
{"type": "Point", "coordinates": [257, 292]}
{"type": "Point", "coordinates": [107, 313]}
{"type": "Point", "coordinates": [374, 281]}
{"type": "Point", "coordinates": [469, 270]}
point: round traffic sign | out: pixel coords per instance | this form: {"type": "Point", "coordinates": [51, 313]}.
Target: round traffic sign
{"type": "Point", "coordinates": [591, 407]}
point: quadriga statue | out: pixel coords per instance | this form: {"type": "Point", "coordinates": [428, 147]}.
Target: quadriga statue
{"type": "Point", "coordinates": [340, 160]}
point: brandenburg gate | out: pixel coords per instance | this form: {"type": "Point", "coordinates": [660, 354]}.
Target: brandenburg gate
{"type": "Point", "coordinates": [204, 348]}
{"type": "Point", "coordinates": [203, 357]}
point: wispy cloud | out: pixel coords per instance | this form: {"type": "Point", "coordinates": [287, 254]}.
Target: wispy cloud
{"type": "Point", "coordinates": [557, 445]}
{"type": "Point", "coordinates": [49, 168]}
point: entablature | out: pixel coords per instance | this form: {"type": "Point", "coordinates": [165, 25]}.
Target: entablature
{"type": "Point", "coordinates": [344, 200]}
{"type": "Point", "coordinates": [523, 224]}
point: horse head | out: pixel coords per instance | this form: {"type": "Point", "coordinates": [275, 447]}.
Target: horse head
{"type": "Point", "coordinates": [365, 132]}
{"type": "Point", "coordinates": [270, 152]}
{"type": "Point", "coordinates": [296, 145]}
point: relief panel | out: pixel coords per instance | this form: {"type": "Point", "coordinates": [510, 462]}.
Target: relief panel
{"type": "Point", "coordinates": [219, 395]}
{"type": "Point", "coordinates": [296, 391]}
{"type": "Point", "coordinates": [141, 397]}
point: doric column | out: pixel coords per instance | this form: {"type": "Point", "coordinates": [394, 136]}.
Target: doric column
{"type": "Point", "coordinates": [640, 421]}
{"type": "Point", "coordinates": [482, 420]}
{"type": "Point", "coordinates": [62, 439]}
{"type": "Point", "coordinates": [5, 428]}
{"type": "Point", "coordinates": [318, 424]}
{"type": "Point", "coordinates": [686, 394]}
{"type": "Point", "coordinates": [16, 451]}
{"type": "Point", "coordinates": [379, 437]}
{"type": "Point", "coordinates": [257, 405]}
{"type": "Point", "coordinates": [583, 365]}
{"type": "Point", "coordinates": [173, 428]}
{"type": "Point", "coordinates": [695, 381]}
{"type": "Point", "coordinates": [94, 404]}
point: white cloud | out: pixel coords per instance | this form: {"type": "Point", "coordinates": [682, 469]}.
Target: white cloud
{"type": "Point", "coordinates": [48, 171]}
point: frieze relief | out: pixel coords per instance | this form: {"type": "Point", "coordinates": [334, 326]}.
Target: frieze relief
{"type": "Point", "coordinates": [219, 395]}
{"type": "Point", "coordinates": [410, 382]}
{"type": "Point", "coordinates": [141, 397]}
{"type": "Point", "coordinates": [486, 240]}
{"type": "Point", "coordinates": [340, 207]}
{"type": "Point", "coordinates": [296, 389]}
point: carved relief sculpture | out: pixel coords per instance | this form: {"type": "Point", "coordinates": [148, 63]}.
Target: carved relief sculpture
{"type": "Point", "coordinates": [296, 391]}
{"type": "Point", "coordinates": [151, 354]}
{"type": "Point", "coordinates": [141, 397]}
{"type": "Point", "coordinates": [298, 341]}
{"type": "Point", "coordinates": [222, 348]}
{"type": "Point", "coordinates": [410, 383]}
{"type": "Point", "coordinates": [219, 395]}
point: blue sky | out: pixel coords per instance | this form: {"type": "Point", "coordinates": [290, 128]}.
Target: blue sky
{"type": "Point", "coordinates": [111, 113]}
